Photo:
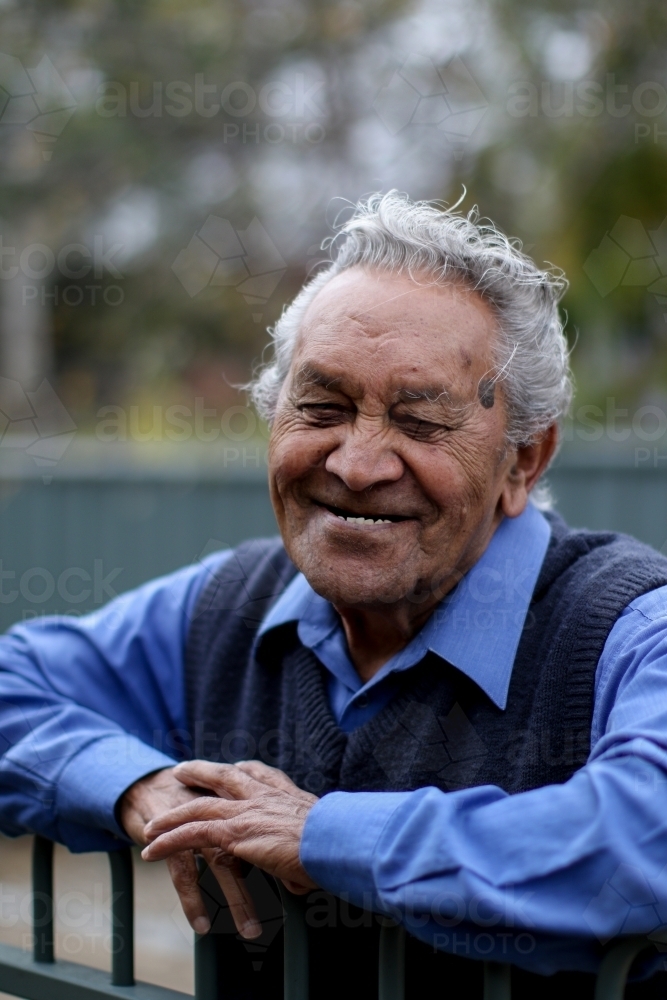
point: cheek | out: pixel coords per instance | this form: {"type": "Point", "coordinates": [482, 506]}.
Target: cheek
{"type": "Point", "coordinates": [458, 480]}
{"type": "Point", "coordinates": [294, 451]}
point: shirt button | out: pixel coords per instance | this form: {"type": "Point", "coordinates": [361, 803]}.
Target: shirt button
{"type": "Point", "coordinates": [362, 701]}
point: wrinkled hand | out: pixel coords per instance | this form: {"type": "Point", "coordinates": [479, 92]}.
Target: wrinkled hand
{"type": "Point", "coordinates": [258, 817]}
{"type": "Point", "coordinates": [157, 795]}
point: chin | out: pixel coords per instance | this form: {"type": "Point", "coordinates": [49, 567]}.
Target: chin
{"type": "Point", "coordinates": [353, 582]}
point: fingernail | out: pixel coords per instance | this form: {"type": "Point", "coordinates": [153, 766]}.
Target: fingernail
{"type": "Point", "coordinates": [202, 925]}
{"type": "Point", "coordinates": [251, 930]}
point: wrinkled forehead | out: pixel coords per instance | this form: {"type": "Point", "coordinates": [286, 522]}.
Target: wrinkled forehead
{"type": "Point", "coordinates": [413, 335]}
{"type": "Point", "coordinates": [373, 295]}
{"type": "Point", "coordinates": [404, 386]}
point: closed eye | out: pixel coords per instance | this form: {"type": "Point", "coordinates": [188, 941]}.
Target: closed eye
{"type": "Point", "coordinates": [418, 429]}
{"type": "Point", "coordinates": [324, 414]}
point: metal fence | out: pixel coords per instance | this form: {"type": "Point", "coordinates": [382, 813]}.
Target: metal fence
{"type": "Point", "coordinates": [40, 977]}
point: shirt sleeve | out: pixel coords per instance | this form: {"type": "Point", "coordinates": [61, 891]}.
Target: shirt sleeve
{"type": "Point", "coordinates": [542, 878]}
{"type": "Point", "coordinates": [89, 705]}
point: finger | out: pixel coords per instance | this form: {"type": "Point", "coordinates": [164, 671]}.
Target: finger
{"type": "Point", "coordinates": [272, 776]}
{"type": "Point", "coordinates": [184, 875]}
{"type": "Point", "coordinates": [296, 888]}
{"type": "Point", "coordinates": [199, 810]}
{"type": "Point", "coordinates": [229, 838]}
{"type": "Point", "coordinates": [190, 837]}
{"type": "Point", "coordinates": [225, 780]}
{"type": "Point", "coordinates": [228, 875]}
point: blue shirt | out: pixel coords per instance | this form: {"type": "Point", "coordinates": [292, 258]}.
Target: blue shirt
{"type": "Point", "coordinates": [89, 705]}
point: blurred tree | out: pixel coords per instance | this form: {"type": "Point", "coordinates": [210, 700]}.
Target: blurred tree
{"type": "Point", "coordinates": [577, 170]}
{"type": "Point", "coordinates": [147, 120]}
{"type": "Point", "coordinates": [166, 169]}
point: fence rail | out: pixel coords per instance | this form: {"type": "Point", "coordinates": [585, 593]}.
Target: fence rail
{"type": "Point", "coordinates": [40, 977]}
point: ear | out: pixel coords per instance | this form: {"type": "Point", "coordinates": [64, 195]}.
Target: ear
{"type": "Point", "coordinates": [528, 464]}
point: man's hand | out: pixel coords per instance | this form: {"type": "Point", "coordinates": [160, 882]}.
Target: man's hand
{"type": "Point", "coordinates": [157, 795]}
{"type": "Point", "coordinates": [258, 817]}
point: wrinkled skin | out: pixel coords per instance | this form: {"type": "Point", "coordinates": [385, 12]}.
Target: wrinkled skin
{"type": "Point", "coordinates": [257, 813]}
{"type": "Point", "coordinates": [387, 414]}
{"type": "Point", "coordinates": [157, 795]}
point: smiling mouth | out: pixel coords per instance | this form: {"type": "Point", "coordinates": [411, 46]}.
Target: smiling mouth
{"type": "Point", "coordinates": [352, 518]}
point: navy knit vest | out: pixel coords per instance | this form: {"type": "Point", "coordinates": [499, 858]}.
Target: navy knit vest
{"type": "Point", "coordinates": [439, 727]}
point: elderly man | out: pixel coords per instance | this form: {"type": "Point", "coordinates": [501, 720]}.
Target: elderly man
{"type": "Point", "coordinates": [428, 697]}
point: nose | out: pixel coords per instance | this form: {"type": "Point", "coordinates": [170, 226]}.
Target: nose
{"type": "Point", "coordinates": [365, 457]}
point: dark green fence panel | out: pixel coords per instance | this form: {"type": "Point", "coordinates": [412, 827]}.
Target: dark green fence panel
{"type": "Point", "coordinates": [616, 497]}
{"type": "Point", "coordinates": [68, 546]}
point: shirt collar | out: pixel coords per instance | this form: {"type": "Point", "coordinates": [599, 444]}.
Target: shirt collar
{"type": "Point", "coordinates": [476, 628]}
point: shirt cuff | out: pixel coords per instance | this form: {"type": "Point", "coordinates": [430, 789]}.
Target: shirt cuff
{"type": "Point", "coordinates": [338, 846]}
{"type": "Point", "coordinates": [93, 781]}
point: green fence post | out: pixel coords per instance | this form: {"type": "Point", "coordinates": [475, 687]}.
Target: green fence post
{"type": "Point", "coordinates": [206, 968]}
{"type": "Point", "coordinates": [391, 963]}
{"type": "Point", "coordinates": [497, 981]}
{"type": "Point", "coordinates": [615, 966]}
{"type": "Point", "coordinates": [206, 958]}
{"type": "Point", "coordinates": [122, 917]}
{"type": "Point", "coordinates": [42, 899]}
{"type": "Point", "coordinates": [296, 946]}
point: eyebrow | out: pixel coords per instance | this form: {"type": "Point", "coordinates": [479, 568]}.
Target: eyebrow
{"type": "Point", "coordinates": [428, 394]}
{"type": "Point", "coordinates": [308, 375]}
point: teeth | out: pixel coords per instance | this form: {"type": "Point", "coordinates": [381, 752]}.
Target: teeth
{"type": "Point", "coordinates": [364, 520]}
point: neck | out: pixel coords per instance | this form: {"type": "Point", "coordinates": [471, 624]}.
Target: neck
{"type": "Point", "coordinates": [374, 636]}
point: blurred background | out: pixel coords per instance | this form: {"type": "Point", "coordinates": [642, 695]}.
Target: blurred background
{"type": "Point", "coordinates": [168, 172]}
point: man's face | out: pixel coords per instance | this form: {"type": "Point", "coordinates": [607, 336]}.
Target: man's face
{"type": "Point", "coordinates": [381, 418]}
